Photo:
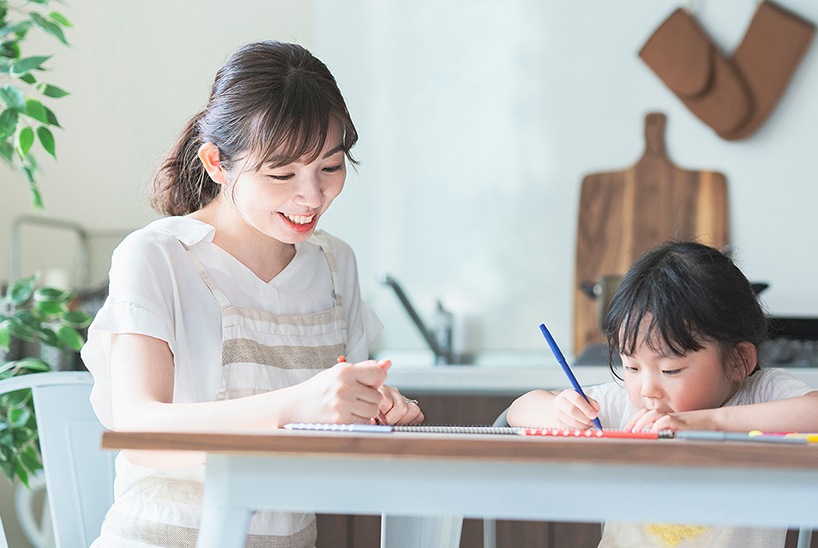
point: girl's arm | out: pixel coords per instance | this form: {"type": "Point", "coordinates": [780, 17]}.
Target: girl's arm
{"type": "Point", "coordinates": [142, 392]}
{"type": "Point", "coordinates": [789, 415]}
{"type": "Point", "coordinates": [541, 408]}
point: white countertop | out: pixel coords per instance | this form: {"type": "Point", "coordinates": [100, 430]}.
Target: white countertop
{"type": "Point", "coordinates": [503, 373]}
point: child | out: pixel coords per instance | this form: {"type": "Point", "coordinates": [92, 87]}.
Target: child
{"type": "Point", "coordinates": [687, 325]}
{"type": "Point", "coordinates": [231, 314]}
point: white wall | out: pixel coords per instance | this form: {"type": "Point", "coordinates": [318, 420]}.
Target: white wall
{"type": "Point", "coordinates": [478, 120]}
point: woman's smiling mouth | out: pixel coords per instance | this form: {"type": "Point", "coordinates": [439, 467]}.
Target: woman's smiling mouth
{"type": "Point", "coordinates": [299, 223]}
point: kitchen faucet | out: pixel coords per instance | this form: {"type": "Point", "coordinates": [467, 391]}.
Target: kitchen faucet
{"type": "Point", "coordinates": [440, 339]}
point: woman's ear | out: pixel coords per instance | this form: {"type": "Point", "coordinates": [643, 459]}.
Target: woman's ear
{"type": "Point", "coordinates": [209, 155]}
{"type": "Point", "coordinates": [744, 360]}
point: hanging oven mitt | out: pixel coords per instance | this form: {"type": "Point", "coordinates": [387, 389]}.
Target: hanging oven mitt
{"type": "Point", "coordinates": [685, 59]}
{"type": "Point", "coordinates": [767, 57]}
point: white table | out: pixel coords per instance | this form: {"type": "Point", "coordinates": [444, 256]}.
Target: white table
{"type": "Point", "coordinates": [750, 484]}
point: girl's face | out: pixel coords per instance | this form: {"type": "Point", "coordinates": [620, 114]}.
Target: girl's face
{"type": "Point", "coordinates": [658, 379]}
{"type": "Point", "coordinates": [286, 202]}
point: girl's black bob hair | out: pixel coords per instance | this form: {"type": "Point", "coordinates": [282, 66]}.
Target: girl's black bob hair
{"type": "Point", "coordinates": [692, 293]}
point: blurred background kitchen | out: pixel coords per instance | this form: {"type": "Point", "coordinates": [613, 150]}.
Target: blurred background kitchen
{"type": "Point", "coordinates": [478, 121]}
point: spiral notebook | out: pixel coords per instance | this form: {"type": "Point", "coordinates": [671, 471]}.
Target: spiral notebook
{"type": "Point", "coordinates": [790, 438]}
{"type": "Point", "coordinates": [490, 430]}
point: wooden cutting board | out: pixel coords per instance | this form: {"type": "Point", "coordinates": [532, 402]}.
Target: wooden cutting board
{"type": "Point", "coordinates": [624, 213]}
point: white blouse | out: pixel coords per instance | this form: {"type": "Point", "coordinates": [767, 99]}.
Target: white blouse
{"type": "Point", "coordinates": [155, 290]}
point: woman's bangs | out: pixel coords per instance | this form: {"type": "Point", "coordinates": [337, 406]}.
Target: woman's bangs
{"type": "Point", "coordinates": [279, 142]}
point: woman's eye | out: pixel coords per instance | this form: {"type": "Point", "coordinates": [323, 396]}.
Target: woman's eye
{"type": "Point", "coordinates": [333, 169]}
{"type": "Point", "coordinates": [280, 177]}
{"type": "Point", "coordinates": [671, 372]}
{"type": "Point", "coordinates": [630, 369]}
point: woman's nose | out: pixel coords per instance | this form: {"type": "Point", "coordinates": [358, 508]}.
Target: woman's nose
{"type": "Point", "coordinates": [309, 192]}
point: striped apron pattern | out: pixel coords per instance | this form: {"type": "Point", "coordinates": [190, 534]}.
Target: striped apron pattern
{"type": "Point", "coordinates": [261, 351]}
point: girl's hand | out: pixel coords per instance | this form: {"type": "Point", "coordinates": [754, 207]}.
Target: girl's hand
{"type": "Point", "coordinates": [657, 421]}
{"type": "Point", "coordinates": [398, 408]}
{"type": "Point", "coordinates": [345, 393]}
{"type": "Point", "coordinates": [572, 411]}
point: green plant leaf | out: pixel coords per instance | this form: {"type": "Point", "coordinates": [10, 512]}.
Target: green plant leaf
{"type": "Point", "coordinates": [51, 91]}
{"type": "Point", "coordinates": [70, 337]}
{"type": "Point", "coordinates": [5, 336]}
{"type": "Point", "coordinates": [36, 110]}
{"type": "Point", "coordinates": [51, 28]}
{"type": "Point", "coordinates": [31, 460]}
{"type": "Point", "coordinates": [27, 318]}
{"type": "Point", "coordinates": [22, 289]}
{"type": "Point", "coordinates": [7, 151]}
{"type": "Point", "coordinates": [76, 319]}
{"type": "Point", "coordinates": [16, 398]}
{"type": "Point", "coordinates": [59, 18]}
{"type": "Point", "coordinates": [19, 416]}
{"type": "Point", "coordinates": [51, 308]}
{"type": "Point", "coordinates": [47, 140]}
{"type": "Point", "coordinates": [8, 123]}
{"type": "Point", "coordinates": [51, 294]}
{"type": "Point", "coordinates": [22, 474]}
{"type": "Point", "coordinates": [33, 365]}
{"type": "Point", "coordinates": [20, 331]}
{"type": "Point", "coordinates": [28, 63]}
{"type": "Point", "coordinates": [28, 78]}
{"type": "Point", "coordinates": [13, 97]}
{"type": "Point", "coordinates": [17, 27]}
{"type": "Point", "coordinates": [52, 118]}
{"type": "Point", "coordinates": [24, 141]}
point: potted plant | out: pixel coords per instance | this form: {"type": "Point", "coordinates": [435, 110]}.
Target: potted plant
{"type": "Point", "coordinates": [28, 314]}
{"type": "Point", "coordinates": [41, 315]}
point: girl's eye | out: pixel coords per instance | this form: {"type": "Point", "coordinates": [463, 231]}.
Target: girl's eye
{"type": "Point", "coordinates": [333, 169]}
{"type": "Point", "coordinates": [281, 177]}
{"type": "Point", "coordinates": [630, 369]}
{"type": "Point", "coordinates": [671, 372]}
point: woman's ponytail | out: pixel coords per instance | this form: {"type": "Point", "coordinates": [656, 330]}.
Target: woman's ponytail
{"type": "Point", "coordinates": [182, 185]}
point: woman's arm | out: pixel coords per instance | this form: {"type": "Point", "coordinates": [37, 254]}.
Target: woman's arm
{"type": "Point", "coordinates": [142, 392]}
{"type": "Point", "coordinates": [541, 408]}
{"type": "Point", "coordinates": [788, 415]}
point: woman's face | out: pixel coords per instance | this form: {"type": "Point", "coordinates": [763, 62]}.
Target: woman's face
{"type": "Point", "coordinates": [286, 202]}
{"type": "Point", "coordinates": [658, 379]}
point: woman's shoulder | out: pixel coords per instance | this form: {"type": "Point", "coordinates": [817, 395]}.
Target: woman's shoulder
{"type": "Point", "coordinates": [341, 251]}
{"type": "Point", "coordinates": [163, 234]}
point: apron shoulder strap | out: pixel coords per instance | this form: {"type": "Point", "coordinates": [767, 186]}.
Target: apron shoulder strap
{"type": "Point", "coordinates": [206, 278]}
{"type": "Point", "coordinates": [333, 270]}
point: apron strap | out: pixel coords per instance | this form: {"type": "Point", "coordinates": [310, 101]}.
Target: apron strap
{"type": "Point", "coordinates": [333, 270]}
{"type": "Point", "coordinates": [206, 278]}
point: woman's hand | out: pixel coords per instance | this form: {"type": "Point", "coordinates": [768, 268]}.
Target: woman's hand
{"type": "Point", "coordinates": [398, 409]}
{"type": "Point", "coordinates": [343, 394]}
{"type": "Point", "coordinates": [657, 421]}
{"type": "Point", "coordinates": [571, 410]}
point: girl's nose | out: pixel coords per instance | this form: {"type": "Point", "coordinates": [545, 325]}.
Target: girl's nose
{"type": "Point", "coordinates": [650, 388]}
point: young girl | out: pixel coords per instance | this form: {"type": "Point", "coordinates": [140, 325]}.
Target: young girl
{"type": "Point", "coordinates": [231, 314]}
{"type": "Point", "coordinates": [687, 325]}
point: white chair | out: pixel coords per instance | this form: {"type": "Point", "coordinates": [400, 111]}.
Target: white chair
{"type": "Point", "coordinates": [79, 475]}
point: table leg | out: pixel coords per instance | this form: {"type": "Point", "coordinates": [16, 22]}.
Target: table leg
{"type": "Point", "coordinates": [421, 531]}
{"type": "Point", "coordinates": [223, 527]}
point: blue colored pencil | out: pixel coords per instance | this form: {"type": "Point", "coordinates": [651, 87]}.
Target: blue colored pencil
{"type": "Point", "coordinates": [561, 359]}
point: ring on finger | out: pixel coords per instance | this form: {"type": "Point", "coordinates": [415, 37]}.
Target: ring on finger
{"type": "Point", "coordinates": [411, 401]}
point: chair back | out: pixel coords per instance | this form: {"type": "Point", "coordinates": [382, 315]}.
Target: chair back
{"type": "Point", "coordinates": [79, 475]}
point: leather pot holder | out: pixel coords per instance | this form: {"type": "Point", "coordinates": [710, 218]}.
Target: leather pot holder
{"type": "Point", "coordinates": [732, 96]}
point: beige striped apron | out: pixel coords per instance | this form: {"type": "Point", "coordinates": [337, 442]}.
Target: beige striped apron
{"type": "Point", "coordinates": [261, 351]}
